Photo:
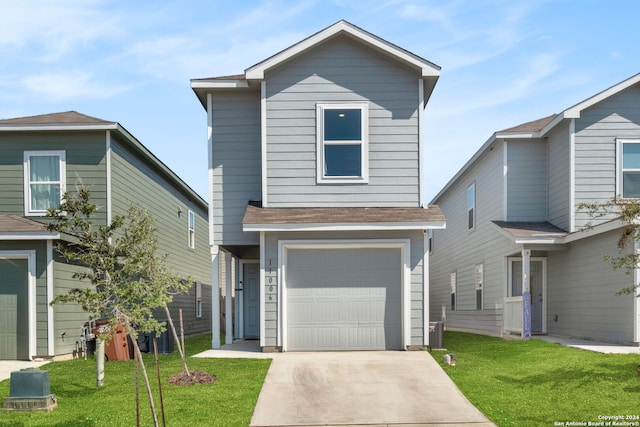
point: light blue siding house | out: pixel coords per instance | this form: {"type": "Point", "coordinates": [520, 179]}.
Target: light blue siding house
{"type": "Point", "coordinates": [513, 225]}
{"type": "Point", "coordinates": [315, 175]}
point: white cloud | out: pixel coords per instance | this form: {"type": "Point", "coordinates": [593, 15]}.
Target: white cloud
{"type": "Point", "coordinates": [58, 87]}
{"type": "Point", "coordinates": [50, 30]}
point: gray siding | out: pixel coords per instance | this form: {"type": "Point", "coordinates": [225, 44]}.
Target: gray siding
{"type": "Point", "coordinates": [84, 158]}
{"type": "Point", "coordinates": [459, 250]}
{"type": "Point", "coordinates": [595, 147]}
{"type": "Point", "coordinates": [237, 167]}
{"type": "Point", "coordinates": [417, 252]}
{"type": "Point", "coordinates": [526, 180]}
{"type": "Point", "coordinates": [342, 71]}
{"type": "Point", "coordinates": [581, 292]}
{"type": "Point", "coordinates": [559, 149]}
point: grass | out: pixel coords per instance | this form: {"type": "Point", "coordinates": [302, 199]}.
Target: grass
{"type": "Point", "coordinates": [228, 402]}
{"type": "Point", "coordinates": [536, 383]}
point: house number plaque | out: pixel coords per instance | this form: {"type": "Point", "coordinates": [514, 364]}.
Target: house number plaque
{"type": "Point", "coordinates": [271, 282]}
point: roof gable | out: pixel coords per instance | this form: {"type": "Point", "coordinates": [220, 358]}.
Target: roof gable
{"type": "Point", "coordinates": [63, 119]}
{"type": "Point", "coordinates": [427, 69]}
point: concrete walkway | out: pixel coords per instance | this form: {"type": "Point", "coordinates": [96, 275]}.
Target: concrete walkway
{"type": "Point", "coordinates": [8, 366]}
{"type": "Point", "coordinates": [598, 347]}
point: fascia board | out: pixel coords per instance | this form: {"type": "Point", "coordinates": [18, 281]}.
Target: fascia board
{"type": "Point", "coordinates": [45, 235]}
{"type": "Point", "coordinates": [345, 227]}
{"type": "Point", "coordinates": [58, 127]}
{"type": "Point", "coordinates": [219, 84]}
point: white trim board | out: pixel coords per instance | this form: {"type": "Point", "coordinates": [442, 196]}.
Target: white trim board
{"type": "Point", "coordinates": [30, 256]}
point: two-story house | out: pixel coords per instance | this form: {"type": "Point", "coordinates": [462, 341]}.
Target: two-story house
{"type": "Point", "coordinates": [316, 193]}
{"type": "Point", "coordinates": [41, 157]}
{"type": "Point", "coordinates": [517, 256]}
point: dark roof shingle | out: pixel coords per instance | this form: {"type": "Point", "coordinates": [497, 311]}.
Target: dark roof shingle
{"type": "Point", "coordinates": [64, 118]}
{"type": "Point", "coordinates": [530, 229]}
{"type": "Point", "coordinates": [282, 216]}
{"type": "Point", "coordinates": [17, 224]}
{"type": "Point", "coordinates": [533, 126]}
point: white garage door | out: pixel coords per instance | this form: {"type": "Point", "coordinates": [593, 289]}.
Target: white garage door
{"type": "Point", "coordinates": [344, 299]}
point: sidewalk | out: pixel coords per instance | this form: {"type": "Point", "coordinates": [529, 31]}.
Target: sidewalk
{"type": "Point", "coordinates": [595, 346]}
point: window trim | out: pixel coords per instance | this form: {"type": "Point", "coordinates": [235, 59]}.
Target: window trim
{"type": "Point", "coordinates": [453, 283]}
{"type": "Point", "coordinates": [471, 210]}
{"type": "Point", "coordinates": [478, 282]}
{"type": "Point", "coordinates": [191, 231]}
{"type": "Point", "coordinates": [619, 165]}
{"type": "Point", "coordinates": [198, 307]}
{"type": "Point", "coordinates": [27, 177]}
{"type": "Point", "coordinates": [321, 178]}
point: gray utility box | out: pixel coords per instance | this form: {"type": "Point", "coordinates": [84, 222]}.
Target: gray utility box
{"type": "Point", "coordinates": [29, 390]}
{"type": "Point", "coordinates": [436, 334]}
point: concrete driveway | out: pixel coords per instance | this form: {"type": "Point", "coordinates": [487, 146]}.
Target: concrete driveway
{"type": "Point", "coordinates": [361, 388]}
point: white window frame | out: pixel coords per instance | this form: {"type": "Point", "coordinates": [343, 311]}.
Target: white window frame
{"type": "Point", "coordinates": [198, 287]}
{"type": "Point", "coordinates": [453, 282]}
{"type": "Point", "coordinates": [479, 280]}
{"type": "Point", "coordinates": [191, 231]}
{"type": "Point", "coordinates": [619, 165]}
{"type": "Point", "coordinates": [471, 210]}
{"type": "Point", "coordinates": [27, 178]}
{"type": "Point", "coordinates": [321, 178]}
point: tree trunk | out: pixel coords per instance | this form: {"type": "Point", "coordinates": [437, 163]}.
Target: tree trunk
{"type": "Point", "coordinates": [99, 362]}
{"type": "Point", "coordinates": [144, 374]}
{"type": "Point", "coordinates": [177, 342]}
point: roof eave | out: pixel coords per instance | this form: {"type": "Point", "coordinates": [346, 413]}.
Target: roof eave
{"type": "Point", "coordinates": [58, 127]}
{"type": "Point", "coordinates": [367, 226]}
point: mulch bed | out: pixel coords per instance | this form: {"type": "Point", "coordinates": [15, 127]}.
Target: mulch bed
{"type": "Point", "coordinates": [197, 377]}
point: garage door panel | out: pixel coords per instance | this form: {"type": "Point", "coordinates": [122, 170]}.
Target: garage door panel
{"type": "Point", "coordinates": [345, 299]}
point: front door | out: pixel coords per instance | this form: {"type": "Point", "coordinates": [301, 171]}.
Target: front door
{"type": "Point", "coordinates": [251, 300]}
{"type": "Point", "coordinates": [14, 316]}
{"type": "Point", "coordinates": [537, 284]}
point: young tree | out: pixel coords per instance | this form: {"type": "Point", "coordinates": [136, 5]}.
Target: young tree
{"type": "Point", "coordinates": [628, 211]}
{"type": "Point", "coordinates": [126, 279]}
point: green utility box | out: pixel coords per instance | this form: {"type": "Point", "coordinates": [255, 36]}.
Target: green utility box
{"type": "Point", "coordinates": [29, 390]}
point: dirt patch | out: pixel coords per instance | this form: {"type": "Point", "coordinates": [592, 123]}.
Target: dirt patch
{"type": "Point", "coordinates": [197, 377]}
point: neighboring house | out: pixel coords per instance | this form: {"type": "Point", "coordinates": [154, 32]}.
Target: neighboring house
{"type": "Point", "coordinates": [514, 224]}
{"type": "Point", "coordinates": [316, 193]}
{"type": "Point", "coordinates": [40, 158]}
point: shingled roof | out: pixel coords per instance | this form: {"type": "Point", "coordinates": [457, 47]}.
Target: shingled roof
{"type": "Point", "coordinates": [17, 224]}
{"type": "Point", "coordinates": [64, 118]}
{"type": "Point", "coordinates": [530, 229]}
{"type": "Point", "coordinates": [532, 126]}
{"type": "Point", "coordinates": [408, 218]}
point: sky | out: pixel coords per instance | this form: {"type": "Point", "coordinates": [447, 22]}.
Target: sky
{"type": "Point", "coordinates": [503, 62]}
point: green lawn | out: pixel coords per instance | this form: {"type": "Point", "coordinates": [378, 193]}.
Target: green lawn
{"type": "Point", "coordinates": [536, 383]}
{"type": "Point", "coordinates": [228, 402]}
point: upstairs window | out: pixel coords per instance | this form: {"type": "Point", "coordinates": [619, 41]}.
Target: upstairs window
{"type": "Point", "coordinates": [471, 206]}
{"type": "Point", "coordinates": [191, 232]}
{"type": "Point", "coordinates": [342, 132]}
{"type": "Point", "coordinates": [629, 169]}
{"type": "Point", "coordinates": [44, 181]}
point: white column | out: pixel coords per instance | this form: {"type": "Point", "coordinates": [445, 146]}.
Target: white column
{"type": "Point", "coordinates": [526, 293]}
{"type": "Point", "coordinates": [228, 300]}
{"type": "Point", "coordinates": [215, 297]}
{"type": "Point", "coordinates": [236, 284]}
